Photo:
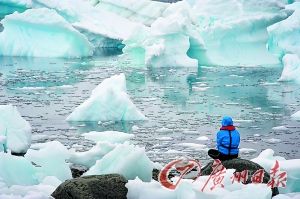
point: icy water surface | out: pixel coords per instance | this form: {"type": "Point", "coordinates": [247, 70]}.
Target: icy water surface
{"type": "Point", "coordinates": [181, 104]}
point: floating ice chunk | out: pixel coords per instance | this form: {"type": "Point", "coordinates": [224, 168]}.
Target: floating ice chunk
{"type": "Point", "coordinates": [16, 130]}
{"type": "Point", "coordinates": [89, 158]}
{"type": "Point", "coordinates": [127, 160]}
{"type": "Point", "coordinates": [280, 128]}
{"type": "Point", "coordinates": [108, 102]}
{"type": "Point", "coordinates": [272, 140]}
{"type": "Point", "coordinates": [108, 136]}
{"type": "Point", "coordinates": [51, 160]}
{"type": "Point", "coordinates": [42, 33]}
{"type": "Point", "coordinates": [193, 146]}
{"type": "Point", "coordinates": [203, 138]}
{"type": "Point", "coordinates": [296, 115]}
{"type": "Point", "coordinates": [16, 170]}
{"type": "Point", "coordinates": [164, 138]}
{"type": "Point", "coordinates": [247, 151]}
{"type": "Point", "coordinates": [164, 130]}
{"type": "Point", "coordinates": [291, 70]}
{"type": "Point", "coordinates": [267, 159]}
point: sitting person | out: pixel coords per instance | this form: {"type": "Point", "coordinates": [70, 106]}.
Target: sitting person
{"type": "Point", "coordinates": [228, 140]}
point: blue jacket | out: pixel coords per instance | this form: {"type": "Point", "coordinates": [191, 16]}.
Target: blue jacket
{"type": "Point", "coordinates": [223, 138]}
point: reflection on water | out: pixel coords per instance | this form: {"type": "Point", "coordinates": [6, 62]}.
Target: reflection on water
{"type": "Point", "coordinates": [180, 103]}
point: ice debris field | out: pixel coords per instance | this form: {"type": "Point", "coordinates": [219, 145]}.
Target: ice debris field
{"type": "Point", "coordinates": [156, 37]}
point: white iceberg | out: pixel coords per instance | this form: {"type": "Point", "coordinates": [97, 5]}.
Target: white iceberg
{"type": "Point", "coordinates": [16, 170]}
{"type": "Point", "coordinates": [142, 11]}
{"type": "Point", "coordinates": [284, 35]}
{"type": "Point", "coordinates": [172, 40]}
{"type": "Point", "coordinates": [108, 102]}
{"type": "Point", "coordinates": [291, 68]}
{"type": "Point", "coordinates": [108, 136]}
{"type": "Point", "coordinates": [296, 115]}
{"type": "Point", "coordinates": [128, 160]}
{"type": "Point", "coordinates": [50, 159]}
{"type": "Point", "coordinates": [235, 31]}
{"type": "Point", "coordinates": [92, 21]}
{"type": "Point", "coordinates": [41, 33]}
{"type": "Point", "coordinates": [89, 158]}
{"type": "Point", "coordinates": [16, 130]}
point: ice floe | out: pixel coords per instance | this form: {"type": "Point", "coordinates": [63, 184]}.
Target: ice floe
{"type": "Point", "coordinates": [42, 33]}
{"type": "Point", "coordinates": [15, 129]}
{"type": "Point", "coordinates": [108, 102]}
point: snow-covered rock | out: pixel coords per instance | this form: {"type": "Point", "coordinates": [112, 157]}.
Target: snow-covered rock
{"type": "Point", "coordinates": [41, 33]}
{"type": "Point", "coordinates": [16, 130]}
{"type": "Point", "coordinates": [128, 160]}
{"type": "Point", "coordinates": [108, 102]}
{"type": "Point", "coordinates": [108, 136]}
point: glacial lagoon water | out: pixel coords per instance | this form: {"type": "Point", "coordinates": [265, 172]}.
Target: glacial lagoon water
{"type": "Point", "coordinates": [181, 104]}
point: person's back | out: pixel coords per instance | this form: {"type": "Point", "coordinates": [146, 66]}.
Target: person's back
{"type": "Point", "coordinates": [228, 140]}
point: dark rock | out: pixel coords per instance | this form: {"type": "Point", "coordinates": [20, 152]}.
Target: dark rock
{"type": "Point", "coordinates": [240, 165]}
{"type": "Point", "coordinates": [77, 171]}
{"type": "Point", "coordinates": [111, 186]}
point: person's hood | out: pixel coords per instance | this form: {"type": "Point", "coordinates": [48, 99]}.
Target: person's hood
{"type": "Point", "coordinates": [227, 121]}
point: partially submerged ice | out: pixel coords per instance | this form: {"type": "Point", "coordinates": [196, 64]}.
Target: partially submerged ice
{"type": "Point", "coordinates": [235, 32]}
{"type": "Point", "coordinates": [125, 159]}
{"type": "Point", "coordinates": [285, 44]}
{"type": "Point", "coordinates": [108, 102]}
{"type": "Point", "coordinates": [41, 33]}
{"type": "Point", "coordinates": [50, 159]}
{"type": "Point", "coordinates": [168, 41]}
{"type": "Point", "coordinates": [15, 131]}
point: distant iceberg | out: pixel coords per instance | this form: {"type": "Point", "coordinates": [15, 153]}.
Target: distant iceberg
{"type": "Point", "coordinates": [108, 102]}
{"type": "Point", "coordinates": [41, 33]}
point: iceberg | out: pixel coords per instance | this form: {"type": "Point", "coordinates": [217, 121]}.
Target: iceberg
{"type": "Point", "coordinates": [143, 11]}
{"type": "Point", "coordinates": [16, 170]}
{"type": "Point", "coordinates": [41, 33]}
{"type": "Point", "coordinates": [108, 102]}
{"type": "Point", "coordinates": [15, 131]}
{"type": "Point", "coordinates": [10, 6]}
{"type": "Point", "coordinates": [50, 159]}
{"type": "Point", "coordinates": [89, 158]}
{"type": "Point", "coordinates": [170, 41]}
{"type": "Point", "coordinates": [296, 115]}
{"type": "Point", "coordinates": [291, 70]}
{"type": "Point", "coordinates": [125, 159]}
{"type": "Point", "coordinates": [92, 21]}
{"type": "Point", "coordinates": [284, 35]}
{"type": "Point", "coordinates": [235, 32]}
